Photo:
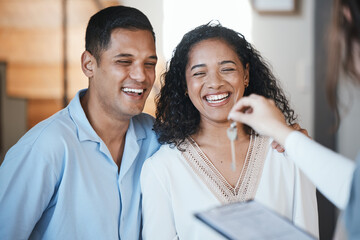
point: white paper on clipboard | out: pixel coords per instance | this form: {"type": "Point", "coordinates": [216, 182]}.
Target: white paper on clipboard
{"type": "Point", "coordinates": [251, 220]}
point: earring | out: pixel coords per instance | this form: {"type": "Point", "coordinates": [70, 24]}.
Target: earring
{"type": "Point", "coordinates": [186, 93]}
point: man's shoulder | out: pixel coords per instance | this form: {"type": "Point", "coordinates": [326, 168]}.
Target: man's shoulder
{"type": "Point", "coordinates": [50, 130]}
{"type": "Point", "coordinates": [44, 143]}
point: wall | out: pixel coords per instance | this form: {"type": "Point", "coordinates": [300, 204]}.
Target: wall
{"type": "Point", "coordinates": [13, 117]}
{"type": "Point", "coordinates": [34, 71]}
{"type": "Point", "coordinates": [286, 41]}
{"type": "Point", "coordinates": [182, 16]}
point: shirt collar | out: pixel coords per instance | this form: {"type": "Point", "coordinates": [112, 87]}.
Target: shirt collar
{"type": "Point", "coordinates": [84, 129]}
{"type": "Point", "coordinates": [136, 129]}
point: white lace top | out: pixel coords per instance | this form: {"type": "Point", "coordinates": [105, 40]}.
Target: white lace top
{"type": "Point", "coordinates": [248, 181]}
{"type": "Point", "coordinates": [175, 185]}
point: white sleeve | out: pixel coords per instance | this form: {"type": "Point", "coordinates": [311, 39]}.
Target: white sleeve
{"type": "Point", "coordinates": [330, 172]}
{"type": "Point", "coordinates": [157, 213]}
{"type": "Point", "coordinates": [305, 212]}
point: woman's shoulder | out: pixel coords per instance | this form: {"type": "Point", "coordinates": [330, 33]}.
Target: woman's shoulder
{"type": "Point", "coordinates": [160, 166]}
{"type": "Point", "coordinates": [166, 150]}
{"type": "Point", "coordinates": [166, 156]}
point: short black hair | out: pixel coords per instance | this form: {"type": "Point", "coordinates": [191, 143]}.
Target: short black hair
{"type": "Point", "coordinates": [176, 116]}
{"type": "Point", "coordinates": [102, 23]}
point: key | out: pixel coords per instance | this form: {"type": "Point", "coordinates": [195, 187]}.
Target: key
{"type": "Point", "coordinates": [232, 135]}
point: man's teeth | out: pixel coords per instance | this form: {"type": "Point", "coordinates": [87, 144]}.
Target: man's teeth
{"type": "Point", "coordinates": [217, 98]}
{"type": "Point", "coordinates": [133, 90]}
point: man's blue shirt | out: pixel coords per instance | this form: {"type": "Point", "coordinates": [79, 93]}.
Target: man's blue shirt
{"type": "Point", "coordinates": [60, 181]}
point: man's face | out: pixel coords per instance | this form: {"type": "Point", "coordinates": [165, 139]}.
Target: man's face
{"type": "Point", "coordinates": [123, 79]}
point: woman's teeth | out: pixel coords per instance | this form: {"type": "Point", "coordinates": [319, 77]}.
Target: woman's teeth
{"type": "Point", "coordinates": [133, 90]}
{"type": "Point", "coordinates": [217, 98]}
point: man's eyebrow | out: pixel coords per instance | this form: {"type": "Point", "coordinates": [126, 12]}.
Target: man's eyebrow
{"type": "Point", "coordinates": [197, 65]}
{"type": "Point", "coordinates": [130, 55]}
{"type": "Point", "coordinates": [154, 57]}
{"type": "Point", "coordinates": [227, 61]}
{"type": "Point", "coordinates": [124, 55]}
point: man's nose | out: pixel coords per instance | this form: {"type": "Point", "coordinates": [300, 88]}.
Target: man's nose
{"type": "Point", "coordinates": [138, 73]}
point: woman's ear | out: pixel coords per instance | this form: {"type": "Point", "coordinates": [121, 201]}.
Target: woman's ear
{"type": "Point", "coordinates": [88, 64]}
{"type": "Point", "coordinates": [246, 75]}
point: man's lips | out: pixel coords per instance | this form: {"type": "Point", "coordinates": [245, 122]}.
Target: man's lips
{"type": "Point", "coordinates": [138, 91]}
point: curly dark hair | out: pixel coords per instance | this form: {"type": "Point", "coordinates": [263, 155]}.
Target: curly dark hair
{"type": "Point", "coordinates": [176, 116]}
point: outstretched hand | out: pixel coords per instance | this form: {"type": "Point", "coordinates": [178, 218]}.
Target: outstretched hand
{"type": "Point", "coordinates": [262, 115]}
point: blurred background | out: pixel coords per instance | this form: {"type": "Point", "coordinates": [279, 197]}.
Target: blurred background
{"type": "Point", "coordinates": [41, 42]}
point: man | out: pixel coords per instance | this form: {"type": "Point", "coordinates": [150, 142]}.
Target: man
{"type": "Point", "coordinates": [76, 174]}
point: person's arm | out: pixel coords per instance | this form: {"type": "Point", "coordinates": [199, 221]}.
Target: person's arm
{"type": "Point", "coordinates": [352, 212]}
{"type": "Point", "coordinates": [305, 211]}
{"type": "Point", "coordinates": [330, 172]}
{"type": "Point", "coordinates": [27, 183]}
{"type": "Point", "coordinates": [157, 213]}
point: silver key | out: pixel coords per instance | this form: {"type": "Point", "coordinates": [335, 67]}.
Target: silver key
{"type": "Point", "coordinates": [232, 135]}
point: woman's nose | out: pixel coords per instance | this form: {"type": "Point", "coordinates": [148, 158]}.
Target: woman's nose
{"type": "Point", "coordinates": [214, 80]}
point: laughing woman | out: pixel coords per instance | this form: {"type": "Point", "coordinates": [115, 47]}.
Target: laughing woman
{"type": "Point", "coordinates": [212, 68]}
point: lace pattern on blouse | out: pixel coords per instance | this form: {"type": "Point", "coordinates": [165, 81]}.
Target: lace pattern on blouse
{"type": "Point", "coordinates": [249, 178]}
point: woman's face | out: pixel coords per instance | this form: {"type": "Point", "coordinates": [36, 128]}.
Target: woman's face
{"type": "Point", "coordinates": [215, 79]}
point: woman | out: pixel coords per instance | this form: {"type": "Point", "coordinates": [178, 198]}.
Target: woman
{"type": "Point", "coordinates": [334, 175]}
{"type": "Point", "coordinates": [211, 68]}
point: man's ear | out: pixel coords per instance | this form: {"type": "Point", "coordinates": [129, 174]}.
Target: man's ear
{"type": "Point", "coordinates": [88, 63]}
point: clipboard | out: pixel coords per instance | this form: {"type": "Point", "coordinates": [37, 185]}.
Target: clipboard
{"type": "Point", "coordinates": [251, 221]}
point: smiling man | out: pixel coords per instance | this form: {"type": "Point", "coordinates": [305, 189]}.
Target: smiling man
{"type": "Point", "coordinates": [76, 174]}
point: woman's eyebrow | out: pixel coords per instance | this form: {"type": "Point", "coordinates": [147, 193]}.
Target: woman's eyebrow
{"type": "Point", "coordinates": [198, 65]}
{"type": "Point", "coordinates": [227, 61]}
